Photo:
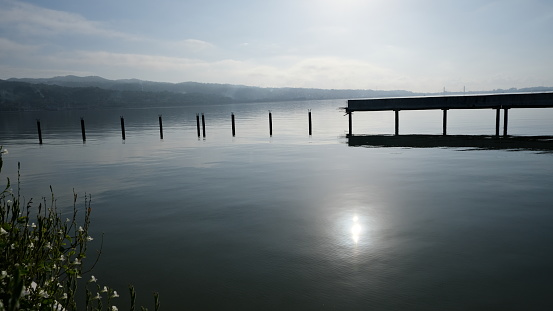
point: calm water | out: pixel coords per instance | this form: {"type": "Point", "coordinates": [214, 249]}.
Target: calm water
{"type": "Point", "coordinates": [254, 222]}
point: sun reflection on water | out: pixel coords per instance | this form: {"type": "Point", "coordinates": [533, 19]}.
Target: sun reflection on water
{"type": "Point", "coordinates": [355, 229]}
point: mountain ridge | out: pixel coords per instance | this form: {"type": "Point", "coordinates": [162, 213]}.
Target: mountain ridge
{"type": "Point", "coordinates": [89, 92]}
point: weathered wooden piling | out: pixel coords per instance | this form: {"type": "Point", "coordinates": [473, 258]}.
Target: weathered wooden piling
{"type": "Point", "coordinates": [198, 123]}
{"type": "Point", "coordinates": [39, 131]}
{"type": "Point", "coordinates": [203, 124]}
{"type": "Point", "coordinates": [444, 122]}
{"type": "Point", "coordinates": [160, 127]}
{"type": "Point", "coordinates": [309, 117]}
{"type": "Point", "coordinates": [233, 127]}
{"type": "Point", "coordinates": [123, 127]}
{"type": "Point", "coordinates": [83, 130]}
{"type": "Point", "coordinates": [270, 123]}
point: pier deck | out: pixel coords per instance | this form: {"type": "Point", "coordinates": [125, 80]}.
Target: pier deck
{"type": "Point", "coordinates": [493, 101]}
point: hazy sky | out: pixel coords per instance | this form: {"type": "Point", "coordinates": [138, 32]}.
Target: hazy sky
{"type": "Point", "coordinates": [417, 45]}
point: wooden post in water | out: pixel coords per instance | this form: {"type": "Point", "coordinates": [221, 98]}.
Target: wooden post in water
{"type": "Point", "coordinates": [233, 127]}
{"type": "Point", "coordinates": [505, 119]}
{"type": "Point", "coordinates": [83, 130]}
{"type": "Point", "coordinates": [123, 127]}
{"type": "Point", "coordinates": [397, 121]}
{"type": "Point", "coordinates": [350, 123]}
{"type": "Point", "coordinates": [160, 127]}
{"type": "Point", "coordinates": [198, 123]}
{"type": "Point", "coordinates": [497, 121]}
{"type": "Point", "coordinates": [444, 123]}
{"type": "Point", "coordinates": [270, 123]}
{"type": "Point", "coordinates": [203, 124]}
{"type": "Point", "coordinates": [309, 114]}
{"type": "Point", "coordinates": [39, 131]}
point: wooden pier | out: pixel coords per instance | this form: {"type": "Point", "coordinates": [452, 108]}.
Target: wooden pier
{"type": "Point", "coordinates": [444, 103]}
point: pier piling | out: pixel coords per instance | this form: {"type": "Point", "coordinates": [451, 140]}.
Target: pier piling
{"type": "Point", "coordinates": [198, 124]}
{"type": "Point", "coordinates": [160, 127]}
{"type": "Point", "coordinates": [397, 121]}
{"type": "Point", "coordinates": [350, 123]}
{"type": "Point", "coordinates": [310, 128]}
{"type": "Point", "coordinates": [444, 123]}
{"type": "Point", "coordinates": [83, 130]}
{"type": "Point", "coordinates": [203, 124]}
{"type": "Point", "coordinates": [270, 123]}
{"type": "Point", "coordinates": [39, 131]}
{"type": "Point", "coordinates": [497, 111]}
{"type": "Point", "coordinates": [505, 120]}
{"type": "Point", "coordinates": [123, 127]}
{"type": "Point", "coordinates": [233, 127]}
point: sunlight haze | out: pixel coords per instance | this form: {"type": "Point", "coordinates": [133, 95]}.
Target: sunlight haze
{"type": "Point", "coordinates": [421, 46]}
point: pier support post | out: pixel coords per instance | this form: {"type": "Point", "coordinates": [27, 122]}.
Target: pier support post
{"type": "Point", "coordinates": [160, 127]}
{"type": "Point", "coordinates": [83, 130]}
{"type": "Point", "coordinates": [123, 127]}
{"type": "Point", "coordinates": [350, 123]}
{"type": "Point", "coordinates": [497, 121]}
{"type": "Point", "coordinates": [397, 121]}
{"type": "Point", "coordinates": [310, 128]}
{"type": "Point", "coordinates": [198, 124]}
{"type": "Point", "coordinates": [39, 131]}
{"type": "Point", "coordinates": [233, 127]}
{"type": "Point", "coordinates": [444, 123]}
{"type": "Point", "coordinates": [505, 120]}
{"type": "Point", "coordinates": [203, 124]}
{"type": "Point", "coordinates": [270, 123]}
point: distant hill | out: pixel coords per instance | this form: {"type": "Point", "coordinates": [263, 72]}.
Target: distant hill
{"type": "Point", "coordinates": [72, 92]}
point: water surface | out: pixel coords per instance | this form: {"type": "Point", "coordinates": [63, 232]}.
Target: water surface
{"type": "Point", "coordinates": [301, 222]}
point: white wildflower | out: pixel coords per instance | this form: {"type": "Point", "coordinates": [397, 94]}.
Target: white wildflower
{"type": "Point", "coordinates": [114, 308]}
{"type": "Point", "coordinates": [98, 296]}
{"type": "Point", "coordinates": [31, 245]}
{"type": "Point", "coordinates": [64, 296]}
{"type": "Point", "coordinates": [114, 295]}
{"type": "Point", "coordinates": [3, 274]}
{"type": "Point", "coordinates": [4, 151]}
{"type": "Point", "coordinates": [79, 277]}
{"type": "Point", "coordinates": [33, 285]}
{"type": "Point", "coordinates": [105, 290]}
{"type": "Point", "coordinates": [92, 279]}
{"type": "Point", "coordinates": [33, 225]}
{"type": "Point", "coordinates": [9, 201]}
{"type": "Point", "coordinates": [12, 246]}
{"type": "Point", "coordinates": [62, 258]}
{"type": "Point", "coordinates": [2, 231]}
{"type": "Point", "coordinates": [43, 293]}
{"type": "Point", "coordinates": [48, 245]}
{"type": "Point", "coordinates": [89, 238]}
{"type": "Point", "coordinates": [77, 261]}
{"type": "Point", "coordinates": [81, 229]}
{"type": "Point", "coordinates": [67, 220]}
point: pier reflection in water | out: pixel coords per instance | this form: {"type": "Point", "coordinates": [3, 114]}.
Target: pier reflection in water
{"type": "Point", "coordinates": [485, 142]}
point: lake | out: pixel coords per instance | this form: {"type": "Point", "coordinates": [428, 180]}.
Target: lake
{"type": "Point", "coordinates": [298, 222]}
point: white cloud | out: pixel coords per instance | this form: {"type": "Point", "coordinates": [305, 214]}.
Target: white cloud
{"type": "Point", "coordinates": [30, 20]}
{"type": "Point", "coordinates": [8, 47]}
